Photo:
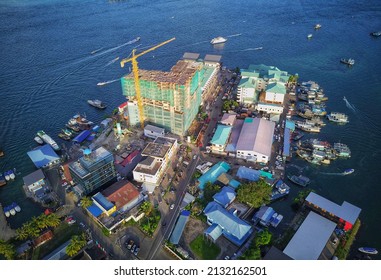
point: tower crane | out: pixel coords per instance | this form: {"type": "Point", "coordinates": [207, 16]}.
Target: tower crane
{"type": "Point", "coordinates": [135, 71]}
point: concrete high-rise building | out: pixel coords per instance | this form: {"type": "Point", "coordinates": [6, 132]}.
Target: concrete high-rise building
{"type": "Point", "coordinates": [93, 170]}
{"type": "Point", "coordinates": [171, 99]}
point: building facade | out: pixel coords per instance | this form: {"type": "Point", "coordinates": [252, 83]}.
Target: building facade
{"type": "Point", "coordinates": [93, 170]}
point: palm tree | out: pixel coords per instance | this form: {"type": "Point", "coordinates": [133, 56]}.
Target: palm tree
{"type": "Point", "coordinates": [86, 202]}
{"type": "Point", "coordinates": [39, 222]}
{"type": "Point", "coordinates": [7, 250]}
{"type": "Point", "coordinates": [146, 207]}
{"type": "Point", "coordinates": [22, 234]}
{"type": "Point", "coordinates": [52, 220]}
{"type": "Point", "coordinates": [31, 229]}
{"type": "Point", "coordinates": [77, 242]}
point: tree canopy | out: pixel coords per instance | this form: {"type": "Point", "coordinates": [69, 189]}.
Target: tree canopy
{"type": "Point", "coordinates": [86, 202]}
{"type": "Point", "coordinates": [7, 250]}
{"type": "Point", "coordinates": [210, 190]}
{"type": "Point", "coordinates": [263, 238]}
{"type": "Point", "coordinates": [77, 242]}
{"type": "Point", "coordinates": [254, 194]}
{"type": "Point", "coordinates": [228, 104]}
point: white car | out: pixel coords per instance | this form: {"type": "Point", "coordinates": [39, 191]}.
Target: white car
{"type": "Point", "coordinates": [172, 206]}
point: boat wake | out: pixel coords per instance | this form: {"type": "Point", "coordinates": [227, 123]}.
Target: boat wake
{"type": "Point", "coordinates": [112, 61]}
{"type": "Point", "coordinates": [107, 82]}
{"type": "Point", "coordinates": [333, 174]}
{"type": "Point", "coordinates": [234, 35]}
{"type": "Point", "coordinates": [349, 105]}
{"type": "Point", "coordinates": [251, 49]}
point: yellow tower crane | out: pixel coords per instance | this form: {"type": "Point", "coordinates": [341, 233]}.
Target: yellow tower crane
{"type": "Point", "coordinates": [135, 71]}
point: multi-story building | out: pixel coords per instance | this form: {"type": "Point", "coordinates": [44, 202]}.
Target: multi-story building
{"type": "Point", "coordinates": [158, 154]}
{"type": "Point", "coordinates": [171, 99]}
{"type": "Point", "coordinates": [93, 170]}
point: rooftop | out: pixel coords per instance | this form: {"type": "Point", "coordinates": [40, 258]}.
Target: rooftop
{"type": "Point", "coordinates": [221, 135]}
{"type": "Point", "coordinates": [276, 88]}
{"type": "Point", "coordinates": [212, 58]}
{"type": "Point", "coordinates": [95, 157]}
{"type": "Point", "coordinates": [236, 130]}
{"type": "Point", "coordinates": [179, 227]}
{"type": "Point", "coordinates": [346, 211]}
{"type": "Point", "coordinates": [148, 169]}
{"type": "Point", "coordinates": [212, 174]}
{"type": "Point", "coordinates": [156, 150]}
{"type": "Point", "coordinates": [121, 193]}
{"type": "Point", "coordinates": [256, 135]}
{"type": "Point", "coordinates": [154, 128]}
{"type": "Point", "coordinates": [43, 155]}
{"type": "Point", "coordinates": [191, 56]}
{"type": "Point", "coordinates": [311, 238]}
{"type": "Point", "coordinates": [33, 177]}
{"type": "Point", "coordinates": [225, 196]}
{"type": "Point", "coordinates": [228, 118]}
{"type": "Point", "coordinates": [102, 201]}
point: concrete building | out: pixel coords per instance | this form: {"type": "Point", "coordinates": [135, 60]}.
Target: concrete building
{"type": "Point", "coordinates": [344, 215]}
{"type": "Point", "coordinates": [228, 119]}
{"type": "Point", "coordinates": [152, 131]}
{"type": "Point", "coordinates": [255, 140]}
{"type": "Point", "coordinates": [247, 91]}
{"type": "Point", "coordinates": [93, 170]}
{"type": "Point", "coordinates": [35, 181]}
{"type": "Point", "coordinates": [158, 154]}
{"type": "Point", "coordinates": [312, 239]}
{"type": "Point", "coordinates": [220, 139]}
{"type": "Point", "coordinates": [171, 99]}
{"type": "Point", "coordinates": [44, 156]}
{"type": "Point", "coordinates": [124, 195]}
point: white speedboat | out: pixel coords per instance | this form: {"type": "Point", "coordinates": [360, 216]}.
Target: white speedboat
{"type": "Point", "coordinates": [309, 36]}
{"type": "Point", "coordinates": [48, 140]}
{"type": "Point", "coordinates": [97, 104]}
{"type": "Point", "coordinates": [348, 171]}
{"type": "Point", "coordinates": [218, 40]}
{"type": "Point", "coordinates": [38, 140]}
{"type": "Point", "coordinates": [17, 208]}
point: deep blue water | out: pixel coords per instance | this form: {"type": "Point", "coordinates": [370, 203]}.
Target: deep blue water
{"type": "Point", "coordinates": [47, 72]}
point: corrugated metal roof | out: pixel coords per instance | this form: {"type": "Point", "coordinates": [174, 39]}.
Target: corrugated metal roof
{"type": "Point", "coordinates": [43, 155]}
{"type": "Point", "coordinates": [102, 201]}
{"type": "Point", "coordinates": [191, 56]}
{"type": "Point", "coordinates": [82, 136]}
{"type": "Point", "coordinates": [257, 136]}
{"type": "Point", "coordinates": [248, 173]}
{"type": "Point", "coordinates": [212, 174]}
{"type": "Point", "coordinates": [33, 177]}
{"type": "Point", "coordinates": [94, 210]}
{"type": "Point", "coordinates": [311, 238]}
{"type": "Point", "coordinates": [212, 58]}
{"type": "Point", "coordinates": [286, 142]}
{"type": "Point", "coordinates": [179, 227]}
{"type": "Point", "coordinates": [155, 129]}
{"type": "Point", "coordinates": [346, 211]}
{"type": "Point", "coordinates": [221, 135]}
{"type": "Point", "coordinates": [228, 118]}
{"type": "Point", "coordinates": [214, 231]}
{"type": "Point", "coordinates": [225, 196]}
{"type": "Point", "coordinates": [276, 88]}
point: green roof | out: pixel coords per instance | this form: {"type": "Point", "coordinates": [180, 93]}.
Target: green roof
{"type": "Point", "coordinates": [221, 135]}
{"type": "Point", "coordinates": [247, 83]}
{"type": "Point", "coordinates": [276, 88]}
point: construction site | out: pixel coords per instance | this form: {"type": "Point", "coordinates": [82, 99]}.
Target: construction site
{"type": "Point", "coordinates": [171, 100]}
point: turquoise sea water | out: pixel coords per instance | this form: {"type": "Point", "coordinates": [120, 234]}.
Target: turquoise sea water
{"type": "Point", "coordinates": [47, 73]}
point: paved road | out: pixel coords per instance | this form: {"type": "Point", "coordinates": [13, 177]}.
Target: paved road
{"type": "Point", "coordinates": [171, 216]}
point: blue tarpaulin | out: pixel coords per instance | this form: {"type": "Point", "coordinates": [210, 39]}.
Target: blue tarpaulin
{"type": "Point", "coordinates": [82, 136]}
{"type": "Point", "coordinates": [248, 173]}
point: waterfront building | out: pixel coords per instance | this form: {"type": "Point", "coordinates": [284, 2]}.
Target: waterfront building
{"type": "Point", "coordinates": [171, 99]}
{"type": "Point", "coordinates": [255, 140]}
{"type": "Point", "coordinates": [35, 181]}
{"type": "Point", "coordinates": [44, 156]}
{"type": "Point", "coordinates": [158, 155]}
{"type": "Point", "coordinates": [220, 139]}
{"type": "Point", "coordinates": [246, 91]}
{"type": "Point", "coordinates": [344, 215]}
{"type": "Point", "coordinates": [93, 170]}
{"type": "Point", "coordinates": [313, 240]}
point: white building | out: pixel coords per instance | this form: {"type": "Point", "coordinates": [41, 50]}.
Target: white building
{"type": "Point", "coordinates": [255, 140]}
{"type": "Point", "coordinates": [152, 131]}
{"type": "Point", "coordinates": [269, 108]}
{"type": "Point", "coordinates": [275, 93]}
{"type": "Point", "coordinates": [152, 168]}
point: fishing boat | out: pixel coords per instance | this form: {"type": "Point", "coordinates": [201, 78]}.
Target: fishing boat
{"type": "Point", "coordinates": [309, 36]}
{"type": "Point", "coordinates": [297, 135]}
{"type": "Point", "coordinates": [339, 118]}
{"type": "Point", "coordinates": [80, 121]}
{"type": "Point", "coordinates": [299, 180]}
{"type": "Point", "coordinates": [64, 136]}
{"type": "Point", "coordinates": [368, 250]}
{"type": "Point", "coordinates": [317, 26]}
{"type": "Point", "coordinates": [218, 40]}
{"type": "Point", "coordinates": [38, 140]}
{"type": "Point", "coordinates": [97, 103]}
{"type": "Point", "coordinates": [376, 34]}
{"type": "Point", "coordinates": [73, 127]}
{"type": "Point", "coordinates": [67, 132]}
{"type": "Point", "coordinates": [48, 140]}
{"type": "Point", "coordinates": [348, 171]}
{"type": "Point", "coordinates": [342, 150]}
{"type": "Point", "coordinates": [307, 127]}
{"type": "Point", "coordinates": [315, 121]}
{"type": "Point", "coordinates": [349, 61]}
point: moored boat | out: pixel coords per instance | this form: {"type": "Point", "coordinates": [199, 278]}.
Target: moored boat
{"type": "Point", "coordinates": [368, 250]}
{"type": "Point", "coordinates": [6, 211]}
{"type": "Point", "coordinates": [48, 140]}
{"type": "Point", "coordinates": [12, 211]}
{"type": "Point", "coordinates": [376, 34]}
{"type": "Point", "coordinates": [64, 136]}
{"type": "Point", "coordinates": [342, 150]}
{"type": "Point", "coordinates": [1, 153]}
{"type": "Point", "coordinates": [218, 40]}
{"type": "Point", "coordinates": [16, 207]}
{"type": "Point", "coordinates": [3, 182]}
{"type": "Point", "coordinates": [38, 140]}
{"type": "Point", "coordinates": [6, 175]}
{"type": "Point", "coordinates": [67, 132]}
{"type": "Point", "coordinates": [97, 104]}
{"type": "Point", "coordinates": [338, 117]}
{"type": "Point", "coordinates": [299, 180]}
{"type": "Point", "coordinates": [12, 175]}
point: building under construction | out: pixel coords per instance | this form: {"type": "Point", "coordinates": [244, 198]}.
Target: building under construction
{"type": "Point", "coordinates": [171, 99]}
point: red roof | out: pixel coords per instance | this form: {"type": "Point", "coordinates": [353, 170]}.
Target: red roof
{"type": "Point", "coordinates": [121, 193]}
{"type": "Point", "coordinates": [130, 157]}
{"type": "Point", "coordinates": [46, 236]}
{"type": "Point", "coordinates": [121, 106]}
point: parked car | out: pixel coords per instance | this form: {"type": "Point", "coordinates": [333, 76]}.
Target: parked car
{"type": "Point", "coordinates": [133, 248]}
{"type": "Point", "coordinates": [172, 206]}
{"type": "Point", "coordinates": [136, 251]}
{"type": "Point", "coordinates": [129, 244]}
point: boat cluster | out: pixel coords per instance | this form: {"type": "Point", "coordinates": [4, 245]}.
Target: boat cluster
{"type": "Point", "coordinates": [12, 209]}
{"type": "Point", "coordinates": [7, 176]}
{"type": "Point", "coordinates": [321, 152]}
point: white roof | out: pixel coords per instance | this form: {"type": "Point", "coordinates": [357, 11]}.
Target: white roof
{"type": "Point", "coordinates": [228, 118]}
{"type": "Point", "coordinates": [311, 238]}
{"type": "Point", "coordinates": [256, 135]}
{"type": "Point", "coordinates": [154, 128]}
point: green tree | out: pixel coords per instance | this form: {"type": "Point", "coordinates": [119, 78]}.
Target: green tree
{"type": "Point", "coordinates": [86, 202]}
{"type": "Point", "coordinates": [52, 220]}
{"type": "Point", "coordinates": [253, 253]}
{"type": "Point", "coordinates": [263, 238]}
{"type": "Point", "coordinates": [77, 242]}
{"type": "Point", "coordinates": [22, 233]}
{"type": "Point", "coordinates": [210, 190]}
{"type": "Point", "coordinates": [7, 250]}
{"type": "Point", "coordinates": [146, 207]}
{"type": "Point", "coordinates": [254, 194]}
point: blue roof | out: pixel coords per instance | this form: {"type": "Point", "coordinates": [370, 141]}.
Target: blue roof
{"type": "Point", "coordinates": [102, 201]}
{"type": "Point", "coordinates": [94, 210]}
{"type": "Point", "coordinates": [179, 227]}
{"type": "Point", "coordinates": [43, 155]}
{"type": "Point", "coordinates": [212, 174]}
{"type": "Point", "coordinates": [286, 143]}
{"type": "Point", "coordinates": [225, 196]}
{"type": "Point", "coordinates": [265, 174]}
{"type": "Point", "coordinates": [214, 231]}
{"type": "Point", "coordinates": [234, 183]}
{"type": "Point", "coordinates": [248, 173]}
{"type": "Point", "coordinates": [82, 136]}
{"type": "Point", "coordinates": [264, 214]}
{"type": "Point", "coordinates": [221, 135]}
{"type": "Point", "coordinates": [234, 229]}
